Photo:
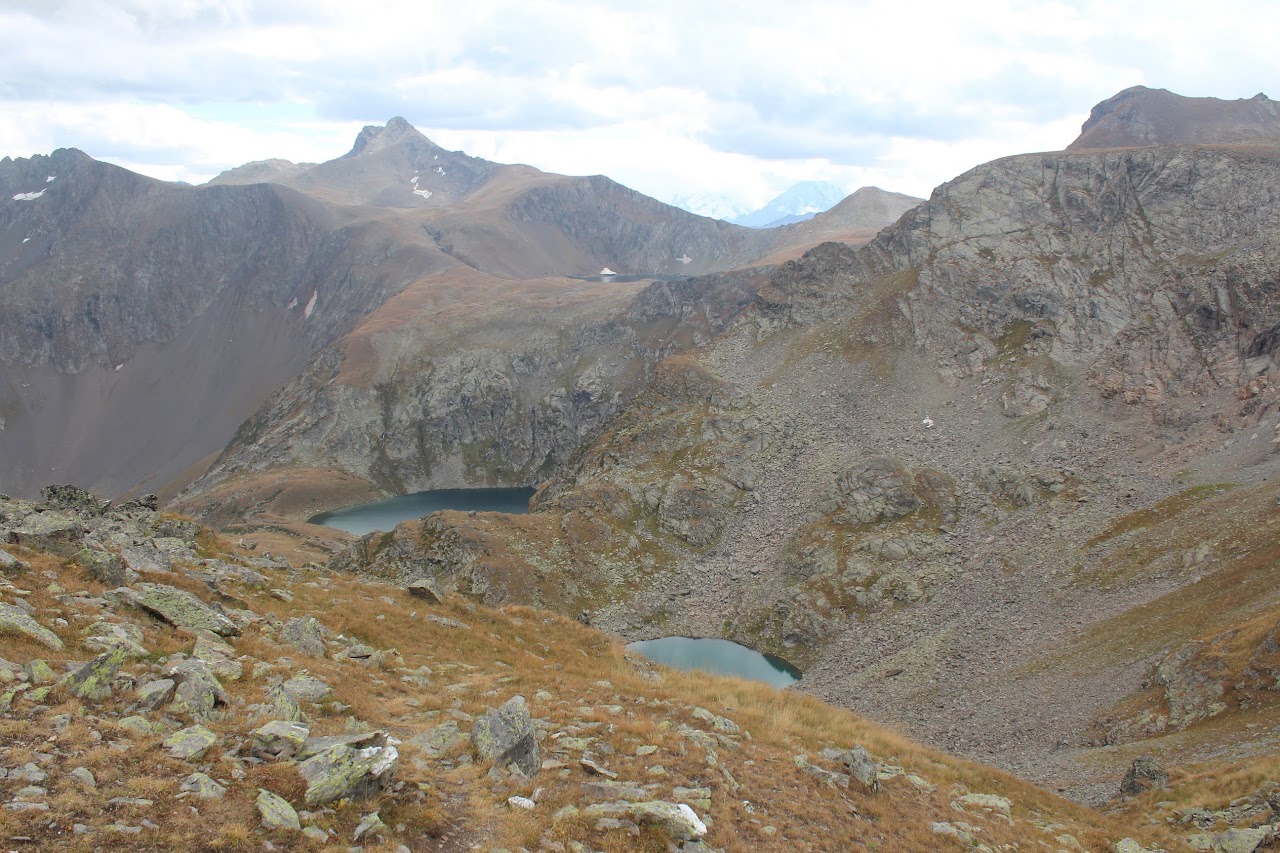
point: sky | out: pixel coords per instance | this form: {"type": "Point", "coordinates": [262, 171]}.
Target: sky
{"type": "Point", "coordinates": [715, 101]}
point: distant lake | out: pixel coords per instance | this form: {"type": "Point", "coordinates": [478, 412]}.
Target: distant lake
{"type": "Point", "coordinates": [385, 515]}
{"type": "Point", "coordinates": [723, 657]}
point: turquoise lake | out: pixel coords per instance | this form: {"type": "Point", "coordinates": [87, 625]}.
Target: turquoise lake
{"type": "Point", "coordinates": [723, 657]}
{"type": "Point", "coordinates": [385, 515]}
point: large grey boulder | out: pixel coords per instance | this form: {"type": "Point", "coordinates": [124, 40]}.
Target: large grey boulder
{"type": "Point", "coordinates": [279, 739]}
{"type": "Point", "coordinates": [190, 743]}
{"type": "Point", "coordinates": [175, 606]}
{"type": "Point", "coordinates": [93, 679]}
{"type": "Point", "coordinates": [346, 772]}
{"type": "Point", "coordinates": [14, 621]}
{"type": "Point", "coordinates": [103, 566]}
{"type": "Point", "coordinates": [218, 655]}
{"type": "Point", "coordinates": [276, 813]}
{"type": "Point", "coordinates": [55, 532]}
{"type": "Point", "coordinates": [305, 634]}
{"type": "Point", "coordinates": [506, 736]}
{"type": "Point", "coordinates": [305, 687]}
{"type": "Point", "coordinates": [198, 691]}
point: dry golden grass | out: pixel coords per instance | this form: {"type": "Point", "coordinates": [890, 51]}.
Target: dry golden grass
{"type": "Point", "coordinates": [595, 689]}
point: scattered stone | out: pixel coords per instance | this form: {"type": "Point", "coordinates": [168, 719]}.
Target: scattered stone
{"type": "Point", "coordinates": [346, 772]}
{"type": "Point", "coordinates": [305, 634]}
{"type": "Point", "coordinates": [438, 740]}
{"type": "Point", "coordinates": [680, 822]}
{"type": "Point", "coordinates": [360, 740]}
{"type": "Point", "coordinates": [305, 687]}
{"type": "Point", "coordinates": [506, 736]}
{"type": "Point", "coordinates": [155, 694]}
{"type": "Point", "coordinates": [447, 622]}
{"type": "Point", "coordinates": [521, 803]}
{"type": "Point", "coordinates": [140, 726]}
{"type": "Point", "coordinates": [1143, 775]}
{"type": "Point", "coordinates": [276, 812]}
{"type": "Point", "coordinates": [279, 739]}
{"type": "Point", "coordinates": [175, 606]}
{"type": "Point", "coordinates": [15, 621]}
{"type": "Point", "coordinates": [218, 655]}
{"type": "Point", "coordinates": [39, 672]}
{"type": "Point", "coordinates": [204, 787]}
{"type": "Point", "coordinates": [592, 767]}
{"type": "Point", "coordinates": [1242, 840]}
{"type": "Point", "coordinates": [93, 679]}
{"type": "Point", "coordinates": [190, 743]}
{"type": "Point", "coordinates": [8, 562]}
{"type": "Point", "coordinates": [84, 777]}
{"type": "Point", "coordinates": [54, 532]}
{"type": "Point", "coordinates": [282, 706]}
{"type": "Point", "coordinates": [986, 802]}
{"type": "Point", "coordinates": [104, 566]}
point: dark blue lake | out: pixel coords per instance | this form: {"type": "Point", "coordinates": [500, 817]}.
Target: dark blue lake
{"type": "Point", "coordinates": [723, 657]}
{"type": "Point", "coordinates": [385, 515]}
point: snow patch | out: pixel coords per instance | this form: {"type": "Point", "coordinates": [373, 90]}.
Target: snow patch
{"type": "Point", "coordinates": [118, 366]}
{"type": "Point", "coordinates": [685, 259]}
{"type": "Point", "coordinates": [293, 303]}
{"type": "Point", "coordinates": [440, 170]}
{"type": "Point", "coordinates": [28, 196]}
{"type": "Point", "coordinates": [414, 180]}
{"type": "Point", "coordinates": [51, 179]}
{"type": "Point", "coordinates": [311, 305]}
{"type": "Point", "coordinates": [606, 271]}
{"type": "Point", "coordinates": [423, 193]}
{"type": "Point", "coordinates": [26, 239]}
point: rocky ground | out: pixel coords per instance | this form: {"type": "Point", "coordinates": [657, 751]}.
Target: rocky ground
{"type": "Point", "coordinates": [164, 689]}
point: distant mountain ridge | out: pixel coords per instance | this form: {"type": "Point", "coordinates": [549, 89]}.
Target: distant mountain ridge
{"type": "Point", "coordinates": [1140, 116]}
{"type": "Point", "coordinates": [799, 202]}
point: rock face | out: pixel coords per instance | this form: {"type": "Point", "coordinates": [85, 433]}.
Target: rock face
{"type": "Point", "coordinates": [1142, 116]}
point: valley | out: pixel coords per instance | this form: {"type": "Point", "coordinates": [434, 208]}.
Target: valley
{"type": "Point", "coordinates": [997, 470]}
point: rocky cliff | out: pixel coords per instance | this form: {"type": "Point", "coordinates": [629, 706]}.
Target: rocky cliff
{"type": "Point", "coordinates": [893, 465]}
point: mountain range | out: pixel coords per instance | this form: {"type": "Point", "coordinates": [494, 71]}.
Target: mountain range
{"type": "Point", "coordinates": [999, 469]}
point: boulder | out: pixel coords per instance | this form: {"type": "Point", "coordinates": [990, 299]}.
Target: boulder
{"type": "Point", "coordinates": [154, 694]}
{"type": "Point", "coordinates": [345, 772]}
{"type": "Point", "coordinates": [202, 786]}
{"type": "Point", "coordinates": [861, 766]}
{"type": "Point", "coordinates": [305, 634]}
{"type": "Point", "coordinates": [175, 606]}
{"type": "Point", "coordinates": [279, 739]}
{"type": "Point", "coordinates": [506, 736]}
{"type": "Point", "coordinates": [73, 499]}
{"type": "Point", "coordinates": [190, 743]}
{"type": "Point", "coordinates": [317, 745]}
{"type": "Point", "coordinates": [426, 590]}
{"type": "Point", "coordinates": [438, 740]}
{"type": "Point", "coordinates": [276, 813]}
{"type": "Point", "coordinates": [1237, 840]}
{"type": "Point", "coordinates": [93, 679]}
{"type": "Point", "coordinates": [282, 706]}
{"type": "Point", "coordinates": [198, 692]}
{"type": "Point", "coordinates": [218, 655]}
{"type": "Point", "coordinates": [14, 621]}
{"type": "Point", "coordinates": [305, 687]}
{"type": "Point", "coordinates": [8, 562]}
{"type": "Point", "coordinates": [677, 821]}
{"type": "Point", "coordinates": [54, 532]}
{"type": "Point", "coordinates": [1144, 774]}
{"type": "Point", "coordinates": [103, 566]}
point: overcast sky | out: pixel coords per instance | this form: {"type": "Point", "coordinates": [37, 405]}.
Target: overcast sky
{"type": "Point", "coordinates": [735, 99]}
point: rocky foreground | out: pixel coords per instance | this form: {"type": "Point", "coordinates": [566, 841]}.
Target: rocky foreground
{"type": "Point", "coordinates": [164, 690]}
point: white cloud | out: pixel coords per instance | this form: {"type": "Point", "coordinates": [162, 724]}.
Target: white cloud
{"type": "Point", "coordinates": [730, 98]}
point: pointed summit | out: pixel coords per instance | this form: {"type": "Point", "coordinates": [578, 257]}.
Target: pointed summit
{"type": "Point", "coordinates": [375, 137]}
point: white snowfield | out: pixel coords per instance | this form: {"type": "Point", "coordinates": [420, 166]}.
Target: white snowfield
{"type": "Point", "coordinates": [28, 196]}
{"type": "Point", "coordinates": [685, 259]}
{"type": "Point", "coordinates": [311, 305]}
{"type": "Point", "coordinates": [606, 271]}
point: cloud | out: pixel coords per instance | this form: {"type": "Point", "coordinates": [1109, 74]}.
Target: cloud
{"type": "Point", "coordinates": [722, 97]}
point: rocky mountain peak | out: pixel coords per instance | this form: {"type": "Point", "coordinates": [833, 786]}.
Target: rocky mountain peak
{"type": "Point", "coordinates": [374, 137]}
{"type": "Point", "coordinates": [1140, 116]}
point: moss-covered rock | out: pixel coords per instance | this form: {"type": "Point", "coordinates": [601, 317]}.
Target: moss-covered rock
{"type": "Point", "coordinates": [506, 736]}
{"type": "Point", "coordinates": [93, 679]}
{"type": "Point", "coordinates": [190, 743]}
{"type": "Point", "coordinates": [346, 773]}
{"type": "Point", "coordinates": [177, 607]}
{"type": "Point", "coordinates": [276, 813]}
{"type": "Point", "coordinates": [14, 621]}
